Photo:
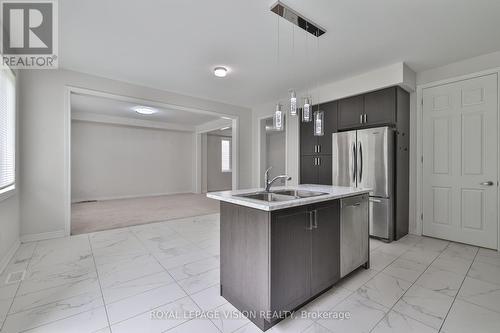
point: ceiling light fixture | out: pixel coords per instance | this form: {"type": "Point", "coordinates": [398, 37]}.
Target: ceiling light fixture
{"type": "Point", "coordinates": [225, 128]}
{"type": "Point", "coordinates": [220, 71]}
{"type": "Point", "coordinates": [145, 110]}
{"type": "Point", "coordinates": [227, 118]}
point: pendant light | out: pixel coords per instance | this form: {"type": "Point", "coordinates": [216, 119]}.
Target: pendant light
{"type": "Point", "coordinates": [293, 95]}
{"type": "Point", "coordinates": [279, 118]}
{"type": "Point", "coordinates": [306, 109]}
{"type": "Point", "coordinates": [278, 113]}
{"type": "Point", "coordinates": [293, 103]}
{"type": "Point", "coordinates": [319, 116]}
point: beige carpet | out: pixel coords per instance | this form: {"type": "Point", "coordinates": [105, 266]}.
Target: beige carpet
{"type": "Point", "coordinates": [110, 214]}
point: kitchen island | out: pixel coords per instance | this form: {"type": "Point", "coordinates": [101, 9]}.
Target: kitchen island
{"type": "Point", "coordinates": [281, 249]}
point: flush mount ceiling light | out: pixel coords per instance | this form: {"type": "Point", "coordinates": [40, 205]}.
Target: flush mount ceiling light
{"type": "Point", "coordinates": [220, 71]}
{"type": "Point", "coordinates": [144, 110]}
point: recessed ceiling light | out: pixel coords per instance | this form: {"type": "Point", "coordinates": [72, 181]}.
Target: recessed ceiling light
{"type": "Point", "coordinates": [220, 71]}
{"type": "Point", "coordinates": [144, 110]}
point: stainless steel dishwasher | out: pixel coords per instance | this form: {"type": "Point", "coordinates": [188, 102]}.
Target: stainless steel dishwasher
{"type": "Point", "coordinates": [354, 233]}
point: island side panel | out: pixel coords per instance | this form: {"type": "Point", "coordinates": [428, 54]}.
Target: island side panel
{"type": "Point", "coordinates": [244, 248]}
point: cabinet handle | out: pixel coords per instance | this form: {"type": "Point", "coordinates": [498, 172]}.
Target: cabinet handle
{"type": "Point", "coordinates": [315, 219]}
{"type": "Point", "coordinates": [319, 148]}
{"type": "Point", "coordinates": [365, 118]}
{"type": "Point", "coordinates": [319, 161]}
{"type": "Point", "coordinates": [310, 221]}
{"type": "Point", "coordinates": [314, 160]}
{"type": "Point", "coordinates": [360, 118]}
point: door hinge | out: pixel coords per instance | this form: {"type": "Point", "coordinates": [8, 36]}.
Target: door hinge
{"type": "Point", "coordinates": [422, 216]}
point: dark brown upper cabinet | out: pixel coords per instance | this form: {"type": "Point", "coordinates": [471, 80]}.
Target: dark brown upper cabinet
{"type": "Point", "coordinates": [350, 112]}
{"type": "Point", "coordinates": [380, 107]}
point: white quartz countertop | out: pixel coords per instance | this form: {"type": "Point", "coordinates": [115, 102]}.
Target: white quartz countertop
{"type": "Point", "coordinates": [333, 192]}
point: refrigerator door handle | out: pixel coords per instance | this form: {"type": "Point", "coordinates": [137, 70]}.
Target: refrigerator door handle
{"type": "Point", "coordinates": [354, 163]}
{"type": "Point", "coordinates": [360, 166]}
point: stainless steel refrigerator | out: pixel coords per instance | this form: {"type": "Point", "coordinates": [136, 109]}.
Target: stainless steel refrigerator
{"type": "Point", "coordinates": [365, 158]}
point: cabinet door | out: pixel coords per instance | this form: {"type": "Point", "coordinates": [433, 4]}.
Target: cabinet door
{"type": "Point", "coordinates": [380, 107]}
{"type": "Point", "coordinates": [290, 258]}
{"type": "Point", "coordinates": [325, 141]}
{"type": "Point", "coordinates": [325, 256]}
{"type": "Point", "coordinates": [308, 141]}
{"type": "Point", "coordinates": [350, 111]}
{"type": "Point", "coordinates": [308, 169]}
{"type": "Point", "coordinates": [325, 170]}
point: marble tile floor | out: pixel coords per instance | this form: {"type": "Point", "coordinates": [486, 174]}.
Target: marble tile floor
{"type": "Point", "coordinates": [133, 279]}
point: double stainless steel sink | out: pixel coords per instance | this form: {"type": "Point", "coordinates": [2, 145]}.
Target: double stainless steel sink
{"type": "Point", "coordinates": [281, 195]}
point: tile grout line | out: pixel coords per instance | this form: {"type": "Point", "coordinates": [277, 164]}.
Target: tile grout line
{"type": "Point", "coordinates": [175, 281]}
{"type": "Point", "coordinates": [99, 281]}
{"type": "Point", "coordinates": [355, 291]}
{"type": "Point", "coordinates": [19, 286]}
{"type": "Point", "coordinates": [392, 307]}
{"type": "Point", "coordinates": [458, 291]}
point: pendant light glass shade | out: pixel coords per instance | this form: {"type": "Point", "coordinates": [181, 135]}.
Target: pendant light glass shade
{"type": "Point", "coordinates": [293, 103]}
{"type": "Point", "coordinates": [306, 111]}
{"type": "Point", "coordinates": [319, 123]}
{"type": "Point", "coordinates": [279, 118]}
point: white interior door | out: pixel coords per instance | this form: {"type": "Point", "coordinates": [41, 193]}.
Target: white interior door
{"type": "Point", "coordinates": [460, 169]}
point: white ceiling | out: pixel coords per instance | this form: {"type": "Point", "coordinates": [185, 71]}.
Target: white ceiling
{"type": "Point", "coordinates": [116, 108]}
{"type": "Point", "coordinates": [175, 44]}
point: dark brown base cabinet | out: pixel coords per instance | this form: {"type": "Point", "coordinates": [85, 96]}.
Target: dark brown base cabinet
{"type": "Point", "coordinates": [273, 262]}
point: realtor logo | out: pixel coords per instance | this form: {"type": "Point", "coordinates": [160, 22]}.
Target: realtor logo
{"type": "Point", "coordinates": [29, 34]}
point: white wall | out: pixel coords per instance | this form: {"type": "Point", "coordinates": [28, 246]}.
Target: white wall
{"type": "Point", "coordinates": [9, 214]}
{"type": "Point", "coordinates": [216, 179]}
{"type": "Point", "coordinates": [43, 120]}
{"type": "Point", "coordinates": [276, 154]}
{"type": "Point", "coordinates": [113, 161]}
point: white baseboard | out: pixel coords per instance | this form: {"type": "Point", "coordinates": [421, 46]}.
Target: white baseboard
{"type": "Point", "coordinates": [6, 259]}
{"type": "Point", "coordinates": [42, 236]}
{"type": "Point", "coordinates": [129, 196]}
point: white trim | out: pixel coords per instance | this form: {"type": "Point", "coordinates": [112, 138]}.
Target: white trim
{"type": "Point", "coordinates": [132, 122]}
{"type": "Point", "coordinates": [43, 236]}
{"type": "Point", "coordinates": [420, 88]}
{"type": "Point", "coordinates": [213, 125]}
{"type": "Point", "coordinates": [120, 197]}
{"type": "Point", "coordinates": [9, 255]}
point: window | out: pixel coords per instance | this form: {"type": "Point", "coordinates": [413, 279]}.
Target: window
{"type": "Point", "coordinates": [225, 145]}
{"type": "Point", "coordinates": [7, 131]}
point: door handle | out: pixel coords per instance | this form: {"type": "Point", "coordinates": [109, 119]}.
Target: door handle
{"type": "Point", "coordinates": [360, 171]}
{"type": "Point", "coordinates": [488, 183]}
{"type": "Point", "coordinates": [315, 219]}
{"type": "Point", "coordinates": [310, 222]}
{"type": "Point", "coordinates": [354, 169]}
